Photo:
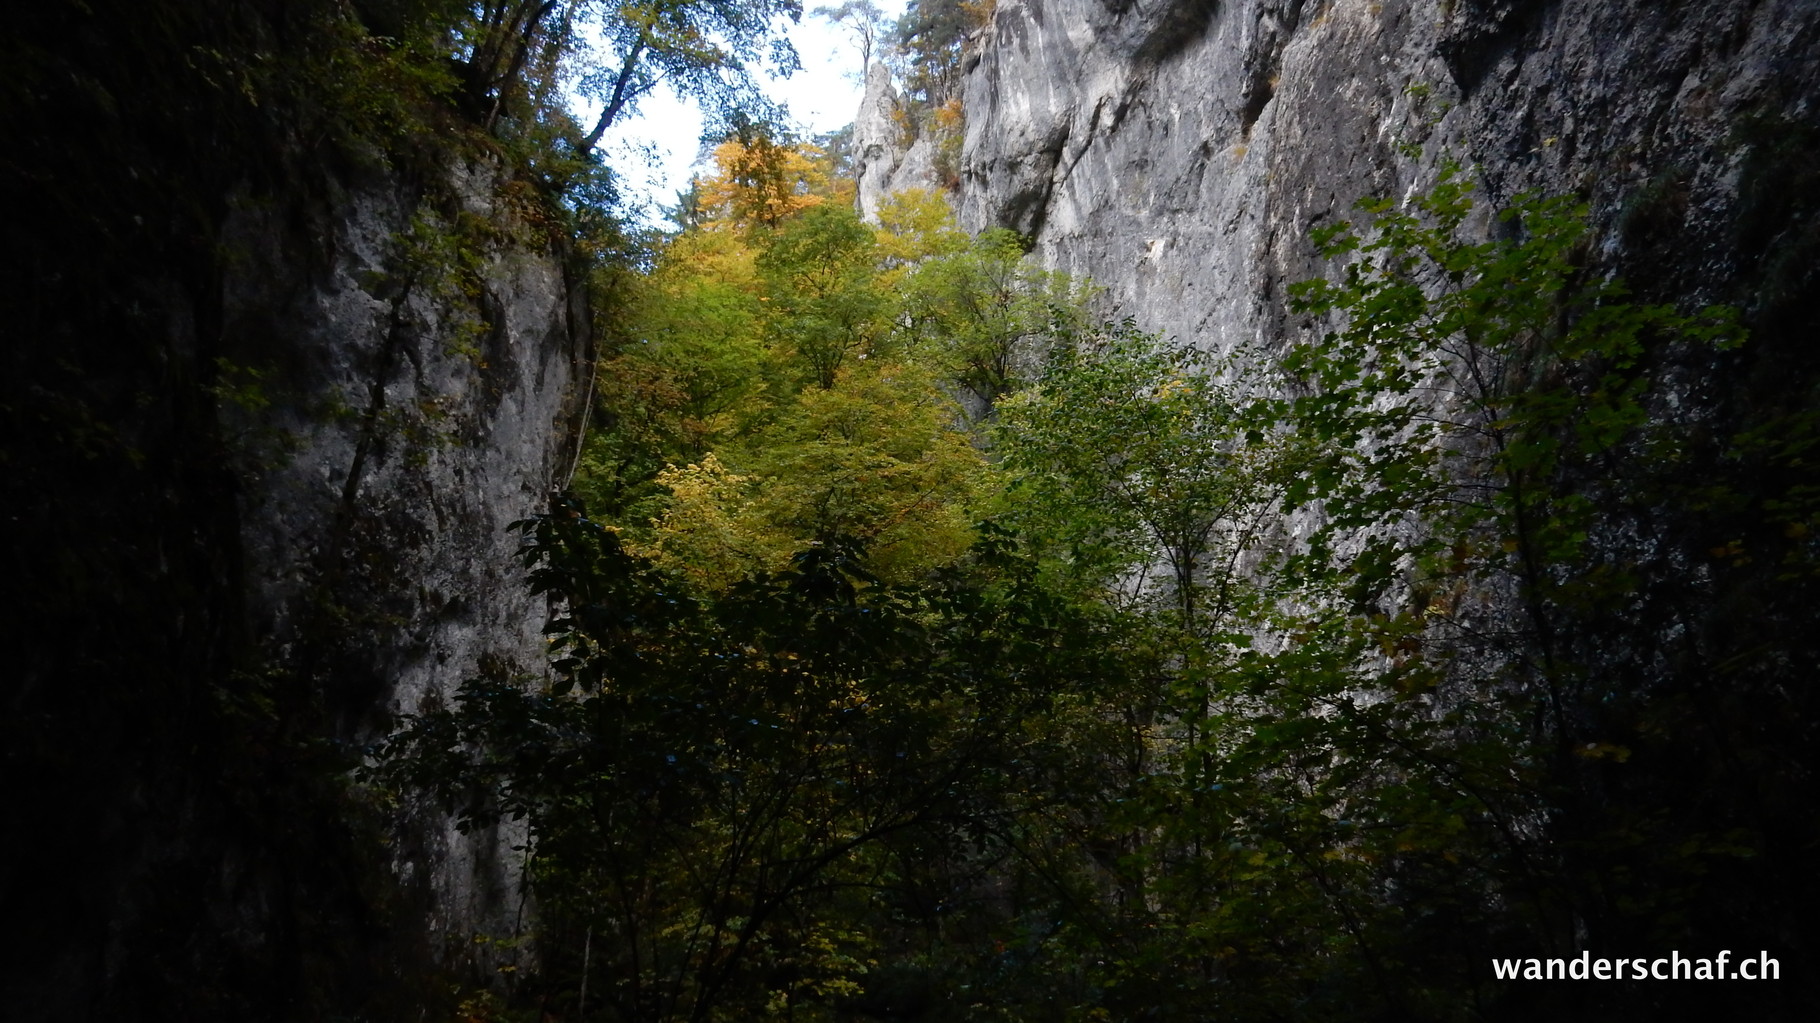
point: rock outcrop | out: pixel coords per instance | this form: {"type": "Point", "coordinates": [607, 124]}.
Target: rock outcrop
{"type": "Point", "coordinates": [1180, 152]}
{"type": "Point", "coordinates": [882, 164]}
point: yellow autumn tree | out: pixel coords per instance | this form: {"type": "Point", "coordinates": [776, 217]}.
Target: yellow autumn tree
{"type": "Point", "coordinates": [915, 224]}
{"type": "Point", "coordinates": [686, 368]}
{"type": "Point", "coordinates": [710, 534]}
{"type": "Point", "coordinates": [876, 459]}
{"type": "Point", "coordinates": [760, 182]}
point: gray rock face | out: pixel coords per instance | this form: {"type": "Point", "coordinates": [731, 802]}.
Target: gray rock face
{"type": "Point", "coordinates": [1179, 151]}
{"type": "Point", "coordinates": [876, 147]}
{"type": "Point", "coordinates": [882, 165]}
{"type": "Point", "coordinates": [416, 400]}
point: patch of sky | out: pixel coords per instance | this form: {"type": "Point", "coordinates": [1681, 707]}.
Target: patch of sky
{"type": "Point", "coordinates": [656, 150]}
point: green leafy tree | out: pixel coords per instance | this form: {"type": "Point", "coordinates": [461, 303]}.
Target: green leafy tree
{"type": "Point", "coordinates": [733, 800]}
{"type": "Point", "coordinates": [983, 314]}
{"type": "Point", "coordinates": [1374, 759]}
{"type": "Point", "coordinates": [877, 459]}
{"type": "Point", "coordinates": [820, 272]}
{"type": "Point", "coordinates": [1487, 407]}
{"type": "Point", "coordinates": [863, 20]}
{"type": "Point", "coordinates": [931, 36]}
{"type": "Point", "coordinates": [1382, 776]}
{"type": "Point", "coordinates": [916, 224]}
{"type": "Point", "coordinates": [1127, 452]}
{"type": "Point", "coordinates": [1487, 391]}
{"type": "Point", "coordinates": [691, 370]}
{"type": "Point", "coordinates": [710, 51]}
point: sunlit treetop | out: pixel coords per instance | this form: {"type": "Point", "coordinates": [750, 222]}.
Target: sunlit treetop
{"type": "Point", "coordinates": [761, 182]}
{"type": "Point", "coordinates": [915, 224]}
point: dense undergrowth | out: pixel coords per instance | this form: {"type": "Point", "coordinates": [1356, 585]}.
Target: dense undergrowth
{"type": "Point", "coordinates": [930, 651]}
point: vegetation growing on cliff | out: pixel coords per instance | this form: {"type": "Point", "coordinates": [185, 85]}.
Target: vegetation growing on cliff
{"type": "Point", "coordinates": [928, 48]}
{"type": "Point", "coordinates": [932, 652]}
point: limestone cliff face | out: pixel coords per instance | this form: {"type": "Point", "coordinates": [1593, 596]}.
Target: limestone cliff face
{"type": "Point", "coordinates": [422, 355]}
{"type": "Point", "coordinates": [1179, 151]}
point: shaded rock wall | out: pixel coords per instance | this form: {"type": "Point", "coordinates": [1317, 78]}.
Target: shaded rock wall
{"type": "Point", "coordinates": [423, 354]}
{"type": "Point", "coordinates": [268, 398]}
{"type": "Point", "coordinates": [1180, 152]}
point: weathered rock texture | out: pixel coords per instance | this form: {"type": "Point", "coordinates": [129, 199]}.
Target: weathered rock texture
{"type": "Point", "coordinates": [424, 356]}
{"type": "Point", "coordinates": [882, 165]}
{"type": "Point", "coordinates": [1178, 152]}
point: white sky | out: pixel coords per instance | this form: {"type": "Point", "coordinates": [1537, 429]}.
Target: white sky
{"type": "Point", "coordinates": [655, 150]}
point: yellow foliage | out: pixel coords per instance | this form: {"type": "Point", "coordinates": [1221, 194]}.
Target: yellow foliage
{"type": "Point", "coordinates": [878, 458]}
{"type": "Point", "coordinates": [708, 535]}
{"type": "Point", "coordinates": [698, 254]}
{"type": "Point", "coordinates": [949, 132]}
{"type": "Point", "coordinates": [915, 224]}
{"type": "Point", "coordinates": [687, 371]}
{"type": "Point", "coordinates": [763, 183]}
{"type": "Point", "coordinates": [950, 116]}
{"type": "Point", "coordinates": [978, 12]}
